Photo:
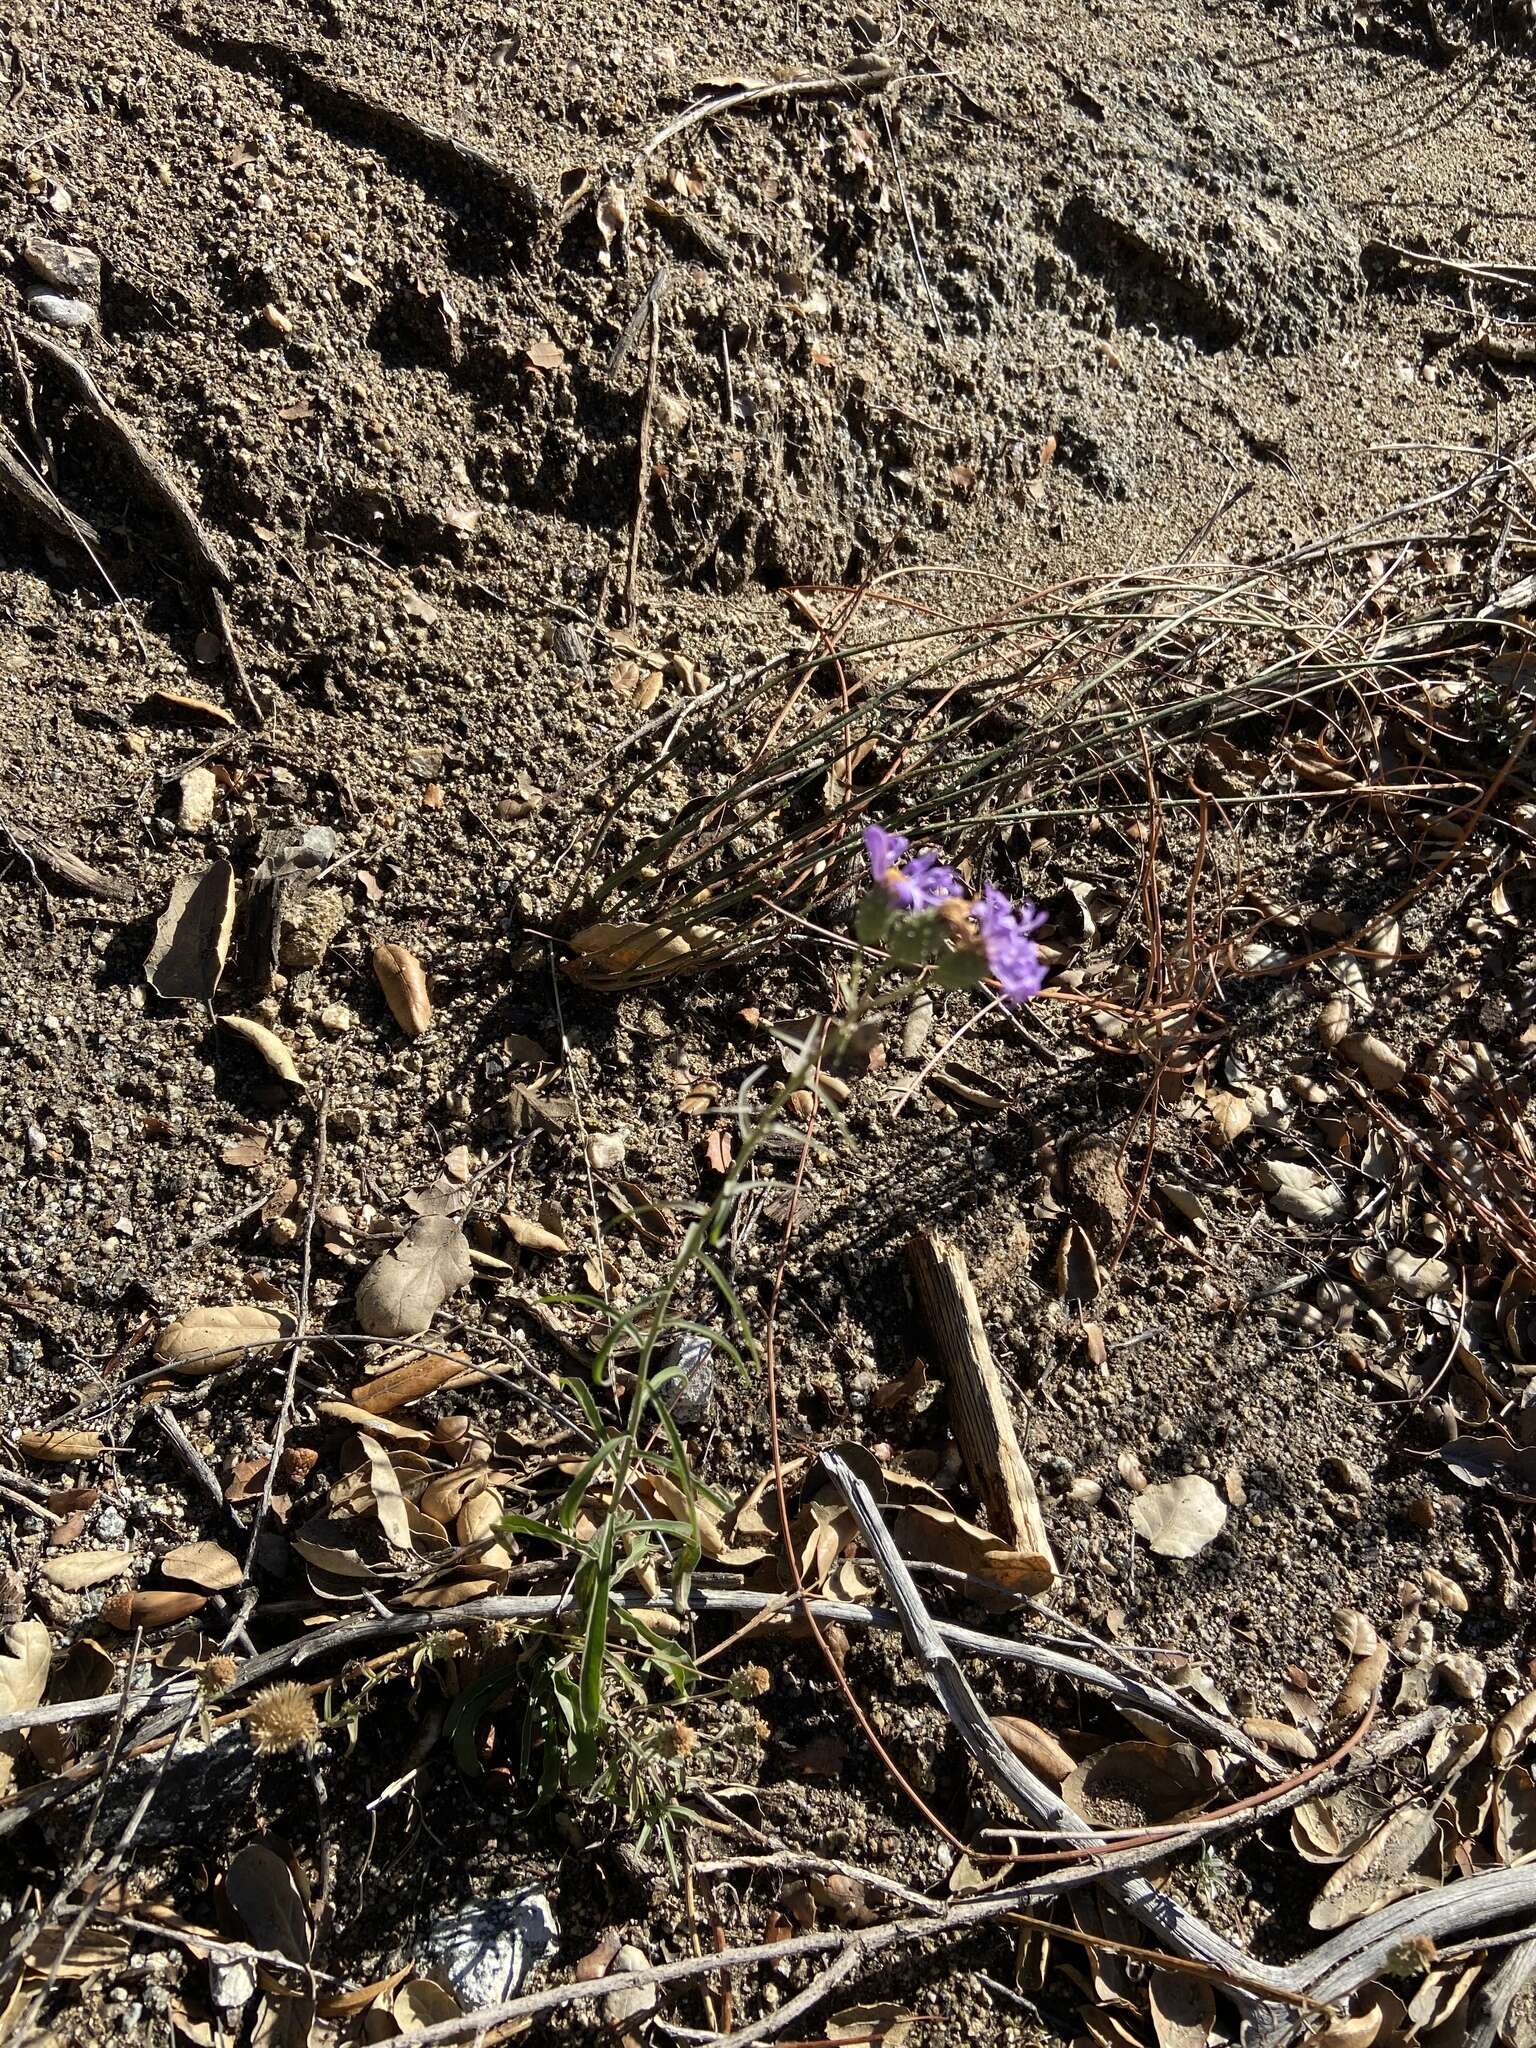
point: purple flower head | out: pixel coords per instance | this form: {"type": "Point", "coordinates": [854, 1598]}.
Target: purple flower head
{"type": "Point", "coordinates": [921, 883]}
{"type": "Point", "coordinates": [1006, 937]}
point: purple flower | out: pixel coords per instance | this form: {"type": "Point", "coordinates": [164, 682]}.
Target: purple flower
{"type": "Point", "coordinates": [921, 883]}
{"type": "Point", "coordinates": [1006, 937]}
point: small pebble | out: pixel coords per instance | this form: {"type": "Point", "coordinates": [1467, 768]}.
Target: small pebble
{"type": "Point", "coordinates": [59, 311]}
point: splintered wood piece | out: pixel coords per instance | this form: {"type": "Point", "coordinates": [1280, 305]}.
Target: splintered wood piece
{"type": "Point", "coordinates": [978, 1403]}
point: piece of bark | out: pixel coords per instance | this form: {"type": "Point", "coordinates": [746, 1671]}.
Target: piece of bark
{"type": "Point", "coordinates": [978, 1403]}
{"type": "Point", "coordinates": [65, 867]}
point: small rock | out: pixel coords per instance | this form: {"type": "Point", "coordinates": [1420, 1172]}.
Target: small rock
{"type": "Point", "coordinates": [59, 311]}
{"type": "Point", "coordinates": [633, 2004]}
{"type": "Point", "coordinates": [66, 267]}
{"type": "Point", "coordinates": [310, 922]}
{"type": "Point", "coordinates": [111, 1526]}
{"type": "Point", "coordinates": [486, 1952]}
{"type": "Point", "coordinates": [199, 788]}
{"type": "Point", "coordinates": [1341, 1475]}
{"type": "Point", "coordinates": [337, 1019]}
{"type": "Point", "coordinates": [605, 1151]}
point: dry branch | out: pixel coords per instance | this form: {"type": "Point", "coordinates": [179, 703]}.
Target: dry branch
{"type": "Point", "coordinates": [40, 504]}
{"type": "Point", "coordinates": [156, 480]}
{"type": "Point", "coordinates": [978, 1405]}
{"type": "Point", "coordinates": [1248, 1984]}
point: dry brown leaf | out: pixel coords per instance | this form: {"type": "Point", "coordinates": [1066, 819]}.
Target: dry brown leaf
{"type": "Point", "coordinates": [1157, 1781]}
{"type": "Point", "coordinates": [23, 1680]}
{"type": "Point", "coordinates": [267, 1901]}
{"type": "Point", "coordinates": [59, 1446]}
{"type": "Point", "coordinates": [1379, 1871]}
{"type": "Point", "coordinates": [404, 982]}
{"type": "Point", "coordinates": [532, 1237]}
{"type": "Point", "coordinates": [1374, 1058]}
{"type": "Point", "coordinates": [1514, 1815]}
{"type": "Point", "coordinates": [1179, 1517]}
{"type": "Point", "coordinates": [196, 710]}
{"type": "Point", "coordinates": [885, 2024]}
{"type": "Point", "coordinates": [1183, 2009]}
{"type": "Point", "coordinates": [388, 1501]}
{"type": "Point", "coordinates": [419, 1373]}
{"type": "Point", "coordinates": [1077, 1266]}
{"type": "Point", "coordinates": [76, 1569]}
{"type": "Point", "coordinates": [208, 1565]}
{"type": "Point", "coordinates": [1512, 1730]}
{"type": "Point", "coordinates": [269, 1046]}
{"type": "Point", "coordinates": [401, 1292]}
{"type": "Point", "coordinates": [1036, 1747]}
{"type": "Point", "coordinates": [191, 944]}
{"type": "Point", "coordinates": [208, 1340]}
{"type": "Point", "coordinates": [1300, 1192]}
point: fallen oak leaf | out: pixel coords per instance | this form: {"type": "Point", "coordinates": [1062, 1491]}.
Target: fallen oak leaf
{"type": "Point", "coordinates": [60, 1446]}
{"type": "Point", "coordinates": [1180, 1517]}
{"type": "Point", "coordinates": [270, 1047]}
{"type": "Point", "coordinates": [23, 1681]}
{"type": "Point", "coordinates": [402, 1291]}
{"type": "Point", "coordinates": [76, 1570]}
{"type": "Point", "coordinates": [208, 1340]}
{"type": "Point", "coordinates": [404, 982]}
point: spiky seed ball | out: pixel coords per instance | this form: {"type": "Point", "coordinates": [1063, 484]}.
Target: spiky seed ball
{"type": "Point", "coordinates": [218, 1675]}
{"type": "Point", "coordinates": [283, 1718]}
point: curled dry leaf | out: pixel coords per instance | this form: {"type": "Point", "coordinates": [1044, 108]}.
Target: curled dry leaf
{"type": "Point", "coordinates": [1179, 1517]}
{"type": "Point", "coordinates": [401, 1292]}
{"type": "Point", "coordinates": [208, 1340]}
{"type": "Point", "coordinates": [59, 1446]}
{"type": "Point", "coordinates": [1300, 1192]}
{"type": "Point", "coordinates": [270, 1047]}
{"type": "Point", "coordinates": [1511, 1732]}
{"type": "Point", "coordinates": [532, 1237]}
{"type": "Point", "coordinates": [1359, 1689]}
{"type": "Point", "coordinates": [1373, 1058]}
{"type": "Point", "coordinates": [1036, 1747]}
{"type": "Point", "coordinates": [404, 982]}
{"type": "Point", "coordinates": [191, 945]}
{"type": "Point", "coordinates": [23, 1680]}
{"type": "Point", "coordinates": [1077, 1266]}
{"type": "Point", "coordinates": [1380, 1870]}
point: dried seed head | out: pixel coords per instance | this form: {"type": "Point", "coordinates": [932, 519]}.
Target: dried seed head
{"type": "Point", "coordinates": [218, 1675]}
{"type": "Point", "coordinates": [750, 1682]}
{"type": "Point", "coordinates": [283, 1718]}
{"type": "Point", "coordinates": [680, 1739]}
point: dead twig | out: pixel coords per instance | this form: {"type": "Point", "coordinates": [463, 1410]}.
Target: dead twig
{"type": "Point", "coordinates": [232, 655]}
{"type": "Point", "coordinates": [865, 76]}
{"type": "Point", "coordinates": [643, 459]}
{"type": "Point", "coordinates": [1249, 1984]}
{"type": "Point", "coordinates": [155, 479]}
{"type": "Point", "coordinates": [65, 867]}
{"type": "Point", "coordinates": [651, 298]}
{"type": "Point", "coordinates": [295, 1352]}
{"type": "Point", "coordinates": [43, 505]}
{"type": "Point", "coordinates": [1498, 1991]}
